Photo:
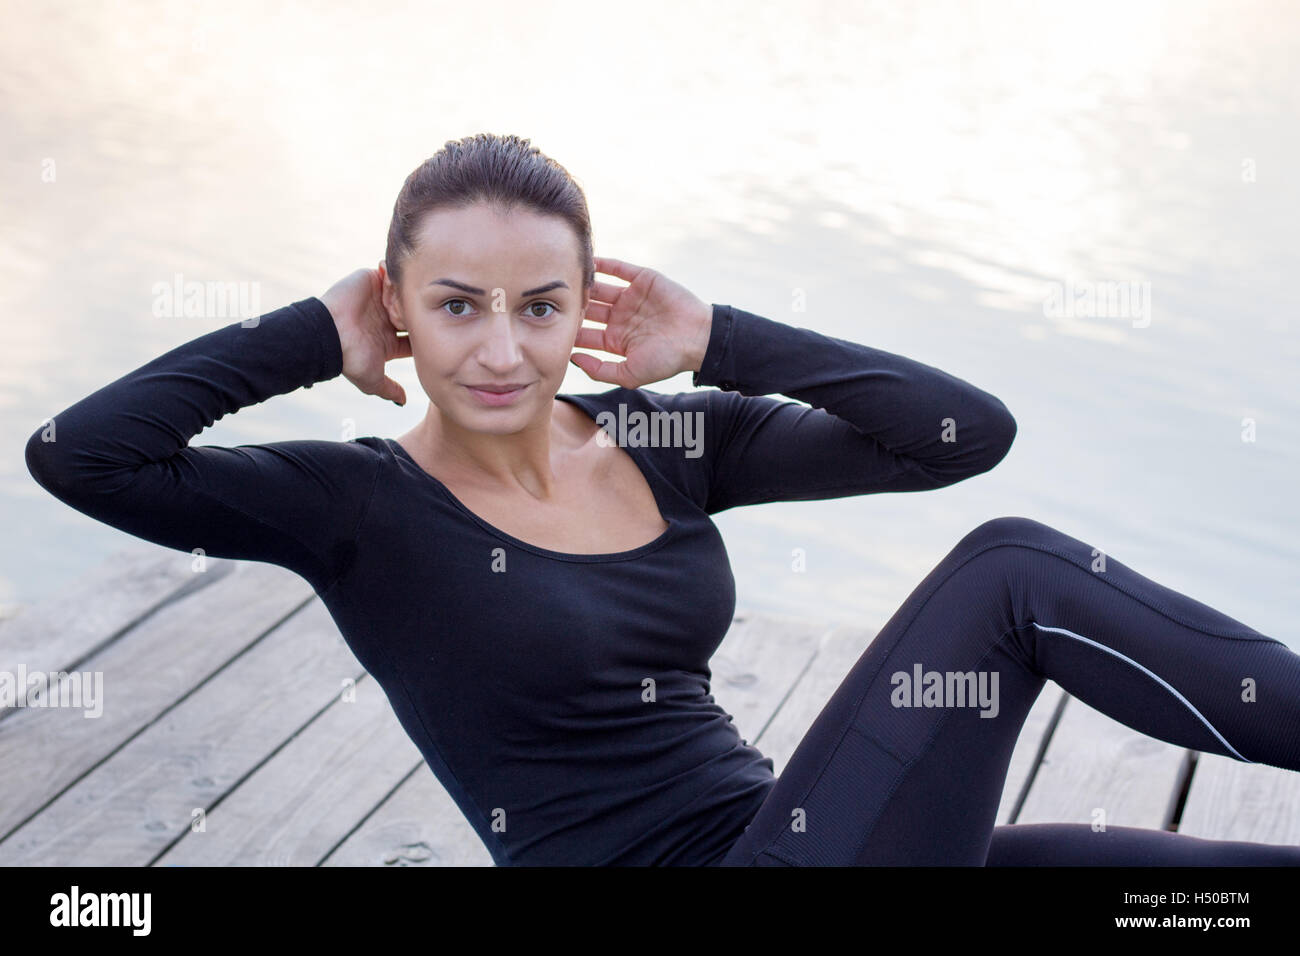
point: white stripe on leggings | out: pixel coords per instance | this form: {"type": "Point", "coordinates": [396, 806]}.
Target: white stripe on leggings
{"type": "Point", "coordinates": [1163, 683]}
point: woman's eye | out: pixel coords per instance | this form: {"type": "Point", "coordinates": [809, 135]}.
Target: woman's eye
{"type": "Point", "coordinates": [451, 305]}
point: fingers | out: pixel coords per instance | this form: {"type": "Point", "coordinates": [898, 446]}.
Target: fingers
{"type": "Point", "coordinates": [598, 312]}
{"type": "Point", "coordinates": [604, 292]}
{"type": "Point", "coordinates": [592, 339]}
{"type": "Point", "coordinates": [390, 390]}
{"type": "Point", "coordinates": [616, 267]}
{"type": "Point", "coordinates": [613, 373]}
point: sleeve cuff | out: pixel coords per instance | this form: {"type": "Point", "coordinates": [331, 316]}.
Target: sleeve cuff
{"type": "Point", "coordinates": [715, 368]}
{"type": "Point", "coordinates": [329, 352]}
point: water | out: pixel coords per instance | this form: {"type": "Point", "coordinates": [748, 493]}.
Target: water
{"type": "Point", "coordinates": [922, 175]}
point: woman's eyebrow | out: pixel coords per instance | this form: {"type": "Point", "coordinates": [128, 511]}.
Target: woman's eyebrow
{"type": "Point", "coordinates": [555, 284]}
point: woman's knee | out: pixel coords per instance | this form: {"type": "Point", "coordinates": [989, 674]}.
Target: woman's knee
{"type": "Point", "coordinates": [1007, 530]}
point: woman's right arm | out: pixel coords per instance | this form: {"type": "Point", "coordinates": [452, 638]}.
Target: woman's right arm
{"type": "Point", "coordinates": [122, 455]}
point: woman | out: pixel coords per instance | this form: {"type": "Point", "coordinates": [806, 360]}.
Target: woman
{"type": "Point", "coordinates": [536, 583]}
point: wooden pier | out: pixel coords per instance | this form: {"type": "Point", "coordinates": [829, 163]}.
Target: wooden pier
{"type": "Point", "coordinates": [240, 730]}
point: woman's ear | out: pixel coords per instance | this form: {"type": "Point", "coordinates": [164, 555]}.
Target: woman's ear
{"type": "Point", "coordinates": [392, 303]}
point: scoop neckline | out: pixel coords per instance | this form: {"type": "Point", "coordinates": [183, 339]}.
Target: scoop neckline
{"type": "Point", "coordinates": [604, 556]}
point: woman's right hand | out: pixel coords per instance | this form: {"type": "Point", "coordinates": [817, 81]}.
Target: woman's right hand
{"type": "Point", "coordinates": [368, 339]}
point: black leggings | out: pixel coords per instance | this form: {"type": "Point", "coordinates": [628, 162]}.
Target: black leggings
{"type": "Point", "coordinates": [881, 779]}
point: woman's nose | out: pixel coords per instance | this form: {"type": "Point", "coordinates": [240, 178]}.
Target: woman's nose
{"type": "Point", "coordinates": [501, 350]}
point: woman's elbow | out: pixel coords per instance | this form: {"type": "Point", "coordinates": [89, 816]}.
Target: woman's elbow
{"type": "Point", "coordinates": [1003, 436]}
{"type": "Point", "coordinates": [46, 462]}
{"type": "Point", "coordinates": [38, 457]}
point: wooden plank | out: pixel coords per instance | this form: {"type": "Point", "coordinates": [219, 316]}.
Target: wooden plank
{"type": "Point", "coordinates": [754, 669]}
{"type": "Point", "coordinates": [307, 797]}
{"type": "Point", "coordinates": [93, 610]}
{"type": "Point", "coordinates": [44, 751]}
{"type": "Point", "coordinates": [1096, 763]}
{"type": "Point", "coordinates": [1231, 800]}
{"type": "Point", "coordinates": [143, 796]}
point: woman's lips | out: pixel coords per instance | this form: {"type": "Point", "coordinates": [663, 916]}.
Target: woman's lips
{"type": "Point", "coordinates": [496, 398]}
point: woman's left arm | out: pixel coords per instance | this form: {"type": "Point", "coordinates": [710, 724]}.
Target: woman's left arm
{"type": "Point", "coordinates": [878, 422]}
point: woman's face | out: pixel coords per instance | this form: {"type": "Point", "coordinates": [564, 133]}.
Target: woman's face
{"type": "Point", "coordinates": [490, 299]}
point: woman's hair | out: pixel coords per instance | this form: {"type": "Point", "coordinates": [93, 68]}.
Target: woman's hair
{"type": "Point", "coordinates": [505, 172]}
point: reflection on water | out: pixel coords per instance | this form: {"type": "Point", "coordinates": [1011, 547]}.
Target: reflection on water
{"type": "Point", "coordinates": [924, 176]}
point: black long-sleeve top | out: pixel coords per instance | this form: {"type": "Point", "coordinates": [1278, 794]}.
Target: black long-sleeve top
{"type": "Point", "coordinates": [563, 700]}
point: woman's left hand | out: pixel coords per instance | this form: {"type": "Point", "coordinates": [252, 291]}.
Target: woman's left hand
{"type": "Point", "coordinates": [660, 327]}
